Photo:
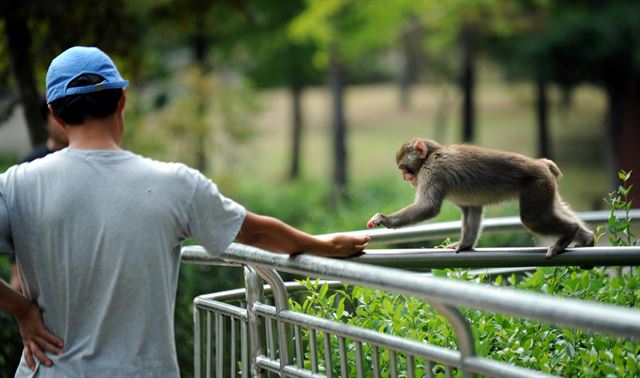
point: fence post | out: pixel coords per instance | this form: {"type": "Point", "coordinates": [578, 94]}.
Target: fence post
{"type": "Point", "coordinates": [281, 300]}
{"type": "Point", "coordinates": [255, 293]}
{"type": "Point", "coordinates": [460, 324]}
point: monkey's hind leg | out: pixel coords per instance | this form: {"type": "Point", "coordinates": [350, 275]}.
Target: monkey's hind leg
{"type": "Point", "coordinates": [471, 223]}
{"type": "Point", "coordinates": [543, 212]}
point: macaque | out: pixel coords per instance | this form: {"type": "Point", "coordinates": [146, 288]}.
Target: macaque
{"type": "Point", "coordinates": [472, 177]}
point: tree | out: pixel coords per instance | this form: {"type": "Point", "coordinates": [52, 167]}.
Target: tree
{"type": "Point", "coordinates": [49, 27]}
{"type": "Point", "coordinates": [344, 32]}
{"type": "Point", "coordinates": [596, 42]}
{"type": "Point", "coordinates": [202, 25]}
{"type": "Point", "coordinates": [278, 60]}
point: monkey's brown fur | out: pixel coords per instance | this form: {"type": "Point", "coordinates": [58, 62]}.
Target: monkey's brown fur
{"type": "Point", "coordinates": [472, 177]}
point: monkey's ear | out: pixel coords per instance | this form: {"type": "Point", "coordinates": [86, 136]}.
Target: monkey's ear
{"type": "Point", "coordinates": [421, 148]}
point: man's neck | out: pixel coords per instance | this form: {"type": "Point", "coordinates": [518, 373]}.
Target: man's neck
{"type": "Point", "coordinates": [95, 134]}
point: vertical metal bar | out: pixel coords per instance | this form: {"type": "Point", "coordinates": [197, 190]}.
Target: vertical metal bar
{"type": "Point", "coordinates": [327, 355]}
{"type": "Point", "coordinates": [281, 301]}
{"type": "Point", "coordinates": [234, 342]}
{"type": "Point", "coordinates": [299, 356]}
{"type": "Point", "coordinates": [447, 371]}
{"type": "Point", "coordinates": [393, 370]}
{"type": "Point", "coordinates": [219, 345]}
{"type": "Point", "coordinates": [271, 345]}
{"type": "Point", "coordinates": [197, 341]}
{"type": "Point", "coordinates": [244, 349]}
{"type": "Point", "coordinates": [460, 324]}
{"type": "Point", "coordinates": [209, 332]}
{"type": "Point", "coordinates": [428, 369]}
{"type": "Point", "coordinates": [344, 369]}
{"type": "Point", "coordinates": [375, 361]}
{"type": "Point", "coordinates": [254, 294]}
{"type": "Point", "coordinates": [411, 370]}
{"type": "Point", "coordinates": [359, 371]}
{"type": "Point", "coordinates": [314, 352]}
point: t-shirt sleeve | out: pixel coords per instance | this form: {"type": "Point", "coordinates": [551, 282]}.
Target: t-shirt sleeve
{"type": "Point", "coordinates": [6, 241]}
{"type": "Point", "coordinates": [214, 220]}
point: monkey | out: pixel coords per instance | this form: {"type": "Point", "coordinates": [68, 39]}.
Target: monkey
{"type": "Point", "coordinates": [472, 177]}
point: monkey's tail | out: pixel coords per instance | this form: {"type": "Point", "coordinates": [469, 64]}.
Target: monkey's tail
{"type": "Point", "coordinates": [553, 168]}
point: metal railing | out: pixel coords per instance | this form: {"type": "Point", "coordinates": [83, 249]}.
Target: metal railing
{"type": "Point", "coordinates": [252, 332]}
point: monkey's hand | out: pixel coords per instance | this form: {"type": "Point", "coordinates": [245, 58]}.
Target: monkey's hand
{"type": "Point", "coordinates": [377, 220]}
{"type": "Point", "coordinates": [458, 246]}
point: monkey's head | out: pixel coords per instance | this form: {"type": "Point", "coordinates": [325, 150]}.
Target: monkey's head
{"type": "Point", "coordinates": [412, 156]}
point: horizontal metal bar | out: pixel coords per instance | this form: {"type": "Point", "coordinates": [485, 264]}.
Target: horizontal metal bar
{"type": "Point", "coordinates": [265, 310]}
{"type": "Point", "coordinates": [494, 368]}
{"type": "Point", "coordinates": [372, 337]}
{"type": "Point", "coordinates": [239, 294]}
{"type": "Point", "coordinates": [221, 307]}
{"type": "Point", "coordinates": [589, 315]}
{"type": "Point", "coordinates": [499, 257]}
{"type": "Point", "coordinates": [439, 230]}
{"type": "Point", "coordinates": [290, 370]}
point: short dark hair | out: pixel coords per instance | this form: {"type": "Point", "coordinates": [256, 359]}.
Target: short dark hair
{"type": "Point", "coordinates": [75, 109]}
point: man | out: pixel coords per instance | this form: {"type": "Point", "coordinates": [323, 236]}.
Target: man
{"type": "Point", "coordinates": [96, 232]}
{"type": "Point", "coordinates": [57, 140]}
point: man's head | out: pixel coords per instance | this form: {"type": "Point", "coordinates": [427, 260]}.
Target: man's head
{"type": "Point", "coordinates": [83, 83]}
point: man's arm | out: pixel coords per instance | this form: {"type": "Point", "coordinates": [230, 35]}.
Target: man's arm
{"type": "Point", "coordinates": [35, 336]}
{"type": "Point", "coordinates": [274, 235]}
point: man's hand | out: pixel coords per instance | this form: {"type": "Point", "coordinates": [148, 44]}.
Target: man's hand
{"type": "Point", "coordinates": [345, 245]}
{"type": "Point", "coordinates": [36, 337]}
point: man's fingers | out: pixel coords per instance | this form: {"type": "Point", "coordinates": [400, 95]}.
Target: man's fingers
{"type": "Point", "coordinates": [37, 352]}
{"type": "Point", "coordinates": [29, 358]}
{"type": "Point", "coordinates": [49, 346]}
{"type": "Point", "coordinates": [54, 341]}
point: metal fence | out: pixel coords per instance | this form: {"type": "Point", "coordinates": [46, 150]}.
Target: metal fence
{"type": "Point", "coordinates": [252, 331]}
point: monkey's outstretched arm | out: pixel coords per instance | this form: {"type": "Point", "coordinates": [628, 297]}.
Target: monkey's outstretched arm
{"type": "Point", "coordinates": [409, 215]}
{"type": "Point", "coordinates": [426, 206]}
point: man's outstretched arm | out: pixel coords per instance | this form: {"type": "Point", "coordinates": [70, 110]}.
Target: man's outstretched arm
{"type": "Point", "coordinates": [35, 336]}
{"type": "Point", "coordinates": [274, 235]}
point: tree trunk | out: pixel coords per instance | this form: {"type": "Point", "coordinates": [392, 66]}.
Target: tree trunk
{"type": "Point", "coordinates": [339, 127]}
{"type": "Point", "coordinates": [467, 83]}
{"type": "Point", "coordinates": [18, 39]}
{"type": "Point", "coordinates": [297, 127]}
{"type": "Point", "coordinates": [542, 113]}
{"type": "Point", "coordinates": [411, 37]}
{"type": "Point", "coordinates": [623, 131]}
{"type": "Point", "coordinates": [201, 132]}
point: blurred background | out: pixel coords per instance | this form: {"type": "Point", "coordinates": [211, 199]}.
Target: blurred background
{"type": "Point", "coordinates": [295, 108]}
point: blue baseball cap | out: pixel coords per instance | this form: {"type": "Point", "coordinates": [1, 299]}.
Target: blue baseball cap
{"type": "Point", "coordinates": [77, 61]}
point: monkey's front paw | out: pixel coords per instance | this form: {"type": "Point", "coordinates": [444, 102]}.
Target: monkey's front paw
{"type": "Point", "coordinates": [376, 221]}
{"type": "Point", "coordinates": [458, 246]}
{"type": "Point", "coordinates": [552, 251]}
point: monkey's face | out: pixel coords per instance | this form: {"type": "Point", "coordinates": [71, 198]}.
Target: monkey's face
{"type": "Point", "coordinates": [408, 175]}
{"type": "Point", "coordinates": [410, 158]}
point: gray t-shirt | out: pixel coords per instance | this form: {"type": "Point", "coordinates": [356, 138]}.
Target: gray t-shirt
{"type": "Point", "coordinates": [97, 237]}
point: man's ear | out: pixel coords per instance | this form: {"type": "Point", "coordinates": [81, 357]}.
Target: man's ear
{"type": "Point", "coordinates": [421, 148]}
{"type": "Point", "coordinates": [123, 101]}
{"type": "Point", "coordinates": [57, 120]}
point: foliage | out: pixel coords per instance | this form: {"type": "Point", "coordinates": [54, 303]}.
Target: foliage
{"type": "Point", "coordinates": [184, 129]}
{"type": "Point", "coordinates": [619, 229]}
{"type": "Point", "coordinates": [525, 343]}
{"type": "Point", "coordinates": [353, 28]}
